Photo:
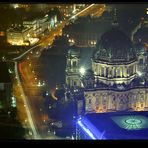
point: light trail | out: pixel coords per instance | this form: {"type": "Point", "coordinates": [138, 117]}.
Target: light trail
{"type": "Point", "coordinates": [81, 11]}
{"type": "Point", "coordinates": [17, 58]}
{"type": "Point", "coordinates": [32, 125]}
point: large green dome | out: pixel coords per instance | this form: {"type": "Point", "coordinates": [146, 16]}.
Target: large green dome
{"type": "Point", "coordinates": [114, 46]}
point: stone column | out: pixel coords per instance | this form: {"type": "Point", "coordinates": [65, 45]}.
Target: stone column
{"type": "Point", "coordinates": [124, 71]}
{"type": "Point", "coordinates": [100, 70]}
{"type": "Point", "coordinates": [97, 68]}
{"type": "Point", "coordinates": [113, 72]}
{"type": "Point", "coordinates": [120, 71]}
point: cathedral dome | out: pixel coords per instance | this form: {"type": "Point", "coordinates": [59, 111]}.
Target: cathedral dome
{"type": "Point", "coordinates": [114, 47]}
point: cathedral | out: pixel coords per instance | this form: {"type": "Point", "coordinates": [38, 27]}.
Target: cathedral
{"type": "Point", "coordinates": [118, 77]}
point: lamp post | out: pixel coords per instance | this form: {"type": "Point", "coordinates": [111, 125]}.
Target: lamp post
{"type": "Point", "coordinates": [82, 70]}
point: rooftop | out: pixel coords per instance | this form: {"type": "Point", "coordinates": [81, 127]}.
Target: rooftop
{"type": "Point", "coordinates": [115, 125]}
{"type": "Point", "coordinates": [18, 29]}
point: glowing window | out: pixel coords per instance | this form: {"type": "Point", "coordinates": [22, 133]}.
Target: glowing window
{"type": "Point", "coordinates": [134, 122]}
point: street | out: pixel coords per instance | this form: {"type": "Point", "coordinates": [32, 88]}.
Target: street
{"type": "Point", "coordinates": [36, 117]}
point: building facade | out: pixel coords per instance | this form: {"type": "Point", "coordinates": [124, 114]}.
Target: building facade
{"type": "Point", "coordinates": [72, 69]}
{"type": "Point", "coordinates": [117, 80]}
{"type": "Point", "coordinates": [19, 35]}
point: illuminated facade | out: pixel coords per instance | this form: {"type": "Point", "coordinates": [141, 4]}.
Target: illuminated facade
{"type": "Point", "coordinates": [117, 80]}
{"type": "Point", "coordinates": [68, 9]}
{"type": "Point", "coordinates": [38, 25]}
{"type": "Point", "coordinates": [72, 68]}
{"type": "Point", "coordinates": [18, 35]}
{"type": "Point", "coordinates": [28, 33]}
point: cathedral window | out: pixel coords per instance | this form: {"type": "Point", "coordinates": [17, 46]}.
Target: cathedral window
{"type": "Point", "coordinates": [89, 101]}
{"type": "Point", "coordinates": [75, 83]}
{"type": "Point", "coordinates": [141, 61]}
{"type": "Point", "coordinates": [74, 64]}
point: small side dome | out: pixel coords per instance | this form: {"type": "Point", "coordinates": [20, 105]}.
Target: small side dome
{"type": "Point", "coordinates": [114, 46]}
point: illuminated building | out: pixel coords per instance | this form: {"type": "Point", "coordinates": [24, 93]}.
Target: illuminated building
{"type": "Point", "coordinates": [5, 88]}
{"type": "Point", "coordinates": [72, 69]}
{"type": "Point", "coordinates": [53, 21]}
{"type": "Point", "coordinates": [26, 6]}
{"type": "Point", "coordinates": [28, 33]}
{"type": "Point", "coordinates": [18, 35]}
{"type": "Point", "coordinates": [113, 126]}
{"type": "Point", "coordinates": [31, 24]}
{"type": "Point", "coordinates": [117, 79]}
{"type": "Point", "coordinates": [38, 25]}
{"type": "Point", "coordinates": [69, 9]}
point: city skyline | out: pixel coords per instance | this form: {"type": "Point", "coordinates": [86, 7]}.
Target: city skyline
{"type": "Point", "coordinates": [67, 61]}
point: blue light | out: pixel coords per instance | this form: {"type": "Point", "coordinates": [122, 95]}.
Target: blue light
{"type": "Point", "coordinates": [90, 130]}
{"type": "Point", "coordinates": [86, 130]}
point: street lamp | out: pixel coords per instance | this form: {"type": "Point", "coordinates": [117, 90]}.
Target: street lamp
{"type": "Point", "coordinates": [82, 70]}
{"type": "Point", "coordinates": [139, 73]}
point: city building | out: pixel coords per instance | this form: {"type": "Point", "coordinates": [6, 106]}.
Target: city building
{"type": "Point", "coordinates": [53, 21]}
{"type": "Point", "coordinates": [72, 68]}
{"type": "Point", "coordinates": [38, 24]}
{"type": "Point", "coordinates": [30, 31]}
{"type": "Point", "coordinates": [117, 77]}
{"type": "Point", "coordinates": [113, 126]}
{"type": "Point", "coordinates": [18, 35]}
{"type": "Point", "coordinates": [25, 6]}
{"type": "Point", "coordinates": [6, 98]}
{"type": "Point", "coordinates": [69, 9]}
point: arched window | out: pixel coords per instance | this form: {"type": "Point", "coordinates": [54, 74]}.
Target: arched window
{"type": "Point", "coordinates": [74, 64]}
{"type": "Point", "coordinates": [89, 101]}
{"type": "Point", "coordinates": [75, 83]}
{"type": "Point", "coordinates": [140, 61]}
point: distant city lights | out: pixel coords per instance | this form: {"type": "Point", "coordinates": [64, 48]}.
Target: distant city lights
{"type": "Point", "coordinates": [15, 6]}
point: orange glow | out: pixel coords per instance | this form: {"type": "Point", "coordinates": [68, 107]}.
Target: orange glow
{"type": "Point", "coordinates": [2, 33]}
{"type": "Point", "coordinates": [53, 94]}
